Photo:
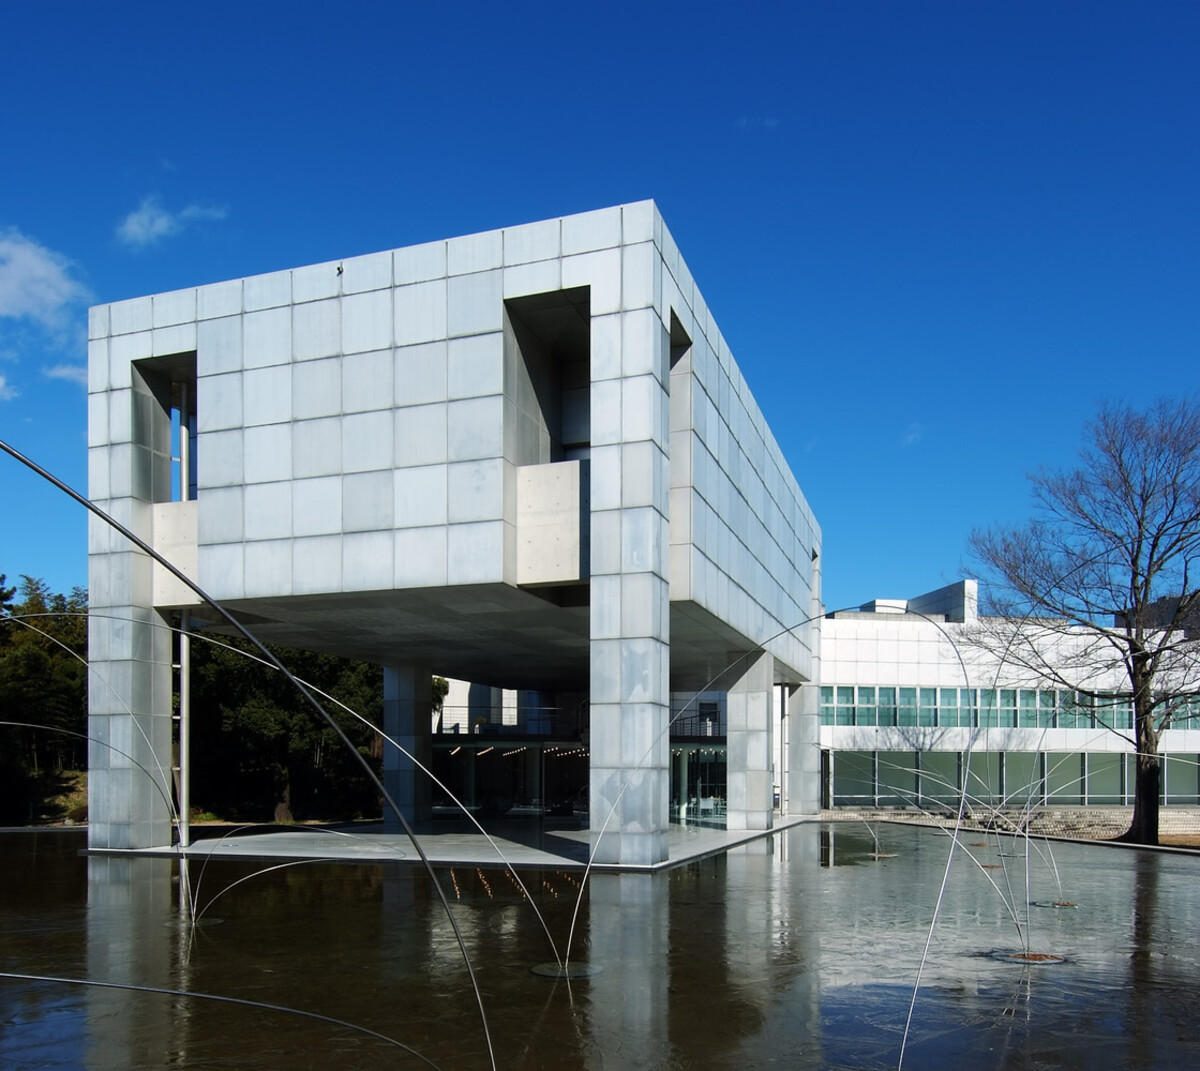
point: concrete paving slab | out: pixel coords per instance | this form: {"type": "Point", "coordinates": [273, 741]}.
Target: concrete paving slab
{"type": "Point", "coordinates": [558, 849]}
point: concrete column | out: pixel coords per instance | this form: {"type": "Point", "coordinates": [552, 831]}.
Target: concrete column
{"type": "Point", "coordinates": [804, 713]}
{"type": "Point", "coordinates": [407, 719]}
{"type": "Point", "coordinates": [806, 790]}
{"type": "Point", "coordinates": [749, 710]}
{"type": "Point", "coordinates": [130, 784]}
{"type": "Point", "coordinates": [630, 592]}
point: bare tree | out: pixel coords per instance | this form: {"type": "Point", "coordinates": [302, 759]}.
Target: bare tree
{"type": "Point", "coordinates": [1098, 592]}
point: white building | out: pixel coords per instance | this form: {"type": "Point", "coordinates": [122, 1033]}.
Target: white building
{"type": "Point", "coordinates": [912, 714]}
{"type": "Point", "coordinates": [524, 458]}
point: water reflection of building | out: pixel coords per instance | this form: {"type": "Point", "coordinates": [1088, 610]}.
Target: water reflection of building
{"type": "Point", "coordinates": [913, 713]}
{"type": "Point", "coordinates": [137, 936]}
{"type": "Point", "coordinates": [524, 458]}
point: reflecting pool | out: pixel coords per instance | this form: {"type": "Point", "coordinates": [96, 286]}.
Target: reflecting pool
{"type": "Point", "coordinates": [800, 951]}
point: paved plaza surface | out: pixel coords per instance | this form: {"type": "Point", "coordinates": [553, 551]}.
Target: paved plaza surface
{"type": "Point", "coordinates": [522, 844]}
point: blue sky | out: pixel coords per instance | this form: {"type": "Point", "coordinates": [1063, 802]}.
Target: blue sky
{"type": "Point", "coordinates": [935, 235]}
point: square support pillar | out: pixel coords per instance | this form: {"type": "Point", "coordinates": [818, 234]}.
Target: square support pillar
{"type": "Point", "coordinates": [804, 750]}
{"type": "Point", "coordinates": [130, 789]}
{"type": "Point", "coordinates": [630, 608]}
{"type": "Point", "coordinates": [630, 746]}
{"type": "Point", "coordinates": [408, 720]}
{"type": "Point", "coordinates": [749, 777]}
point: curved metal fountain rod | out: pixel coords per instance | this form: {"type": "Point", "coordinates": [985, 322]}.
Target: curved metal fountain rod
{"type": "Point", "coordinates": [208, 857]}
{"type": "Point", "coordinates": [1028, 810]}
{"type": "Point", "coordinates": [995, 811]}
{"type": "Point", "coordinates": [321, 712]}
{"type": "Point", "coordinates": [978, 730]}
{"type": "Point", "coordinates": [286, 865]}
{"type": "Point", "coordinates": [954, 843]}
{"type": "Point", "coordinates": [420, 766]}
{"type": "Point", "coordinates": [92, 740]}
{"type": "Point", "coordinates": [217, 642]}
{"type": "Point", "coordinates": [1008, 901]}
{"type": "Point", "coordinates": [958, 824]}
{"type": "Point", "coordinates": [753, 652]}
{"type": "Point", "coordinates": [24, 622]}
{"type": "Point", "coordinates": [130, 987]}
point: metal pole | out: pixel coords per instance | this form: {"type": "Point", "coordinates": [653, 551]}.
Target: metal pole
{"type": "Point", "coordinates": [185, 640]}
{"type": "Point", "coordinates": [185, 731]}
{"type": "Point", "coordinates": [785, 750]}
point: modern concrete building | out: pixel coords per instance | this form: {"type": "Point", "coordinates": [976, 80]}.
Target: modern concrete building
{"type": "Point", "coordinates": [913, 713]}
{"type": "Point", "coordinates": [524, 458]}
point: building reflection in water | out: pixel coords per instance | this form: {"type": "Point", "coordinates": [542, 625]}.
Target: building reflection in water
{"type": "Point", "coordinates": [135, 936]}
{"type": "Point", "coordinates": [761, 954]}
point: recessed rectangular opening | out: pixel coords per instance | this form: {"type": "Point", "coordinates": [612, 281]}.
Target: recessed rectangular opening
{"type": "Point", "coordinates": [164, 424]}
{"type": "Point", "coordinates": [548, 376]}
{"type": "Point", "coordinates": [681, 344]}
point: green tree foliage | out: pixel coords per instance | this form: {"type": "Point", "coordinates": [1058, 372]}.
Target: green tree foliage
{"type": "Point", "coordinates": [259, 751]}
{"type": "Point", "coordinates": [43, 690]}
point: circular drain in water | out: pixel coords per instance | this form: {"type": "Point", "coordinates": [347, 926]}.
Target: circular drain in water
{"type": "Point", "coordinates": [569, 970]}
{"type": "Point", "coordinates": [1032, 959]}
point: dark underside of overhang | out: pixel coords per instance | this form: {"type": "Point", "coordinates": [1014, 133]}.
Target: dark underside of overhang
{"type": "Point", "coordinates": [492, 634]}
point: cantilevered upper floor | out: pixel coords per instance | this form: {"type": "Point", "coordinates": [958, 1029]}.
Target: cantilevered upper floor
{"type": "Point", "coordinates": [477, 451]}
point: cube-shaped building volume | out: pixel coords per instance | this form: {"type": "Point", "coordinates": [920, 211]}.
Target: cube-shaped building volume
{"type": "Point", "coordinates": [524, 458]}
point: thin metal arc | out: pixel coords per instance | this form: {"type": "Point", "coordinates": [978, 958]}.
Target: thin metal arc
{"type": "Point", "coordinates": [321, 712]}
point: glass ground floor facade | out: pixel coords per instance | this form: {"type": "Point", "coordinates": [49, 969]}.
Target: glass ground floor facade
{"type": "Point", "coordinates": [526, 776]}
{"type": "Point", "coordinates": [936, 779]}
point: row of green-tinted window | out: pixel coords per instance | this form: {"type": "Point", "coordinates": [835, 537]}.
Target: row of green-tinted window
{"type": "Point", "coordinates": [981, 707]}
{"type": "Point", "coordinates": [918, 779]}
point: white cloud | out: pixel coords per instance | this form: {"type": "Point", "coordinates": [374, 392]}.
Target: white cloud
{"type": "Point", "coordinates": [7, 393]}
{"type": "Point", "coordinates": [150, 222]}
{"type": "Point", "coordinates": [912, 434]}
{"type": "Point", "coordinates": [146, 224]}
{"type": "Point", "coordinates": [76, 373]}
{"type": "Point", "coordinates": [37, 284]}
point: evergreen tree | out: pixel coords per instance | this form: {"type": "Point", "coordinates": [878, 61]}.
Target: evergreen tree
{"type": "Point", "coordinates": [260, 753]}
{"type": "Point", "coordinates": [43, 692]}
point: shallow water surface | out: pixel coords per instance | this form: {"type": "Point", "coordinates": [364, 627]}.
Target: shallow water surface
{"type": "Point", "coordinates": [798, 951]}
